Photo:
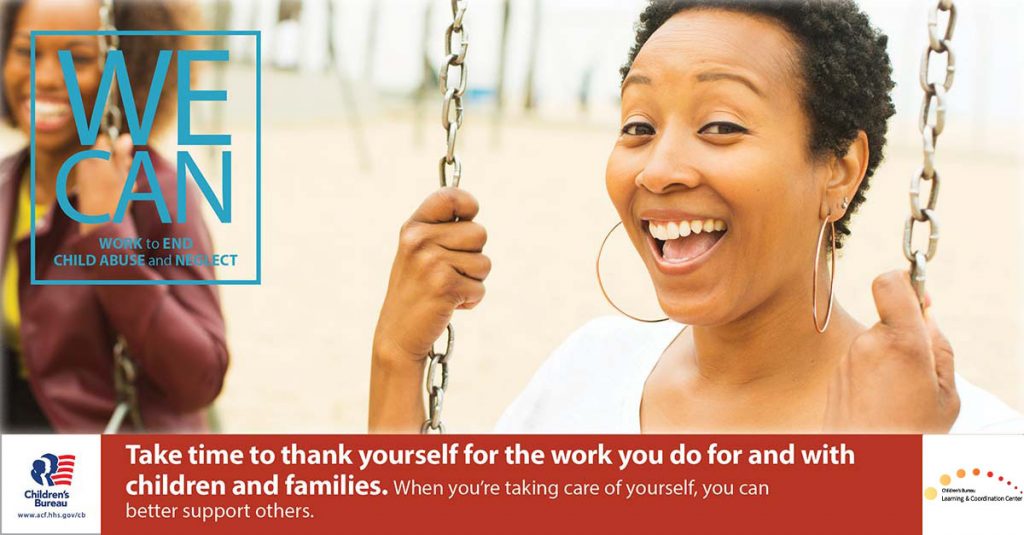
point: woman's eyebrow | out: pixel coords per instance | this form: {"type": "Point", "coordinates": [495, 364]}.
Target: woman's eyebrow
{"type": "Point", "coordinates": [634, 79]}
{"type": "Point", "coordinates": [81, 42]}
{"type": "Point", "coordinates": [712, 76]}
{"type": "Point", "coordinates": [22, 34]}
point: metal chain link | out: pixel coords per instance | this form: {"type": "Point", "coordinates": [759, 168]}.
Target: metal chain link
{"type": "Point", "coordinates": [124, 387]}
{"type": "Point", "coordinates": [437, 386]}
{"type": "Point", "coordinates": [931, 126]}
{"type": "Point", "coordinates": [110, 123]}
{"type": "Point", "coordinates": [453, 86]}
{"type": "Point", "coordinates": [450, 167]}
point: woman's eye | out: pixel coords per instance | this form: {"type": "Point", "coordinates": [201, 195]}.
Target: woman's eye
{"type": "Point", "coordinates": [721, 128]}
{"type": "Point", "coordinates": [638, 129]}
{"type": "Point", "coordinates": [23, 51]}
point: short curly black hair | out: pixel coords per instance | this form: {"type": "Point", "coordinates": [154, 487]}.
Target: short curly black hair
{"type": "Point", "coordinates": [847, 75]}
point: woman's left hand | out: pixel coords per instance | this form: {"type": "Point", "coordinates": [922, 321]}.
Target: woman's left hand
{"type": "Point", "coordinates": [898, 375]}
{"type": "Point", "coordinates": [101, 182]}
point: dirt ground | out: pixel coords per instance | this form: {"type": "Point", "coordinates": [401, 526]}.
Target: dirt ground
{"type": "Point", "coordinates": [301, 342]}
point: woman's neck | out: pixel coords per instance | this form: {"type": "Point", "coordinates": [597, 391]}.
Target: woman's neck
{"type": "Point", "coordinates": [776, 344]}
{"type": "Point", "coordinates": [48, 164]}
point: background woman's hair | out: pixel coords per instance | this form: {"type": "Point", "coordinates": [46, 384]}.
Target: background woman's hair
{"type": "Point", "coordinates": [847, 75]}
{"type": "Point", "coordinates": [140, 53]}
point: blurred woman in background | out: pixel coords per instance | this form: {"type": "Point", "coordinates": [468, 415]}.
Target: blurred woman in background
{"type": "Point", "coordinates": [59, 341]}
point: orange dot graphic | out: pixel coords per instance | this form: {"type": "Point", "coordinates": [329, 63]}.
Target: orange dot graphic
{"type": "Point", "coordinates": [976, 471]}
{"type": "Point", "coordinates": [961, 473]}
{"type": "Point", "coordinates": [930, 493]}
{"type": "Point", "coordinates": [944, 479]}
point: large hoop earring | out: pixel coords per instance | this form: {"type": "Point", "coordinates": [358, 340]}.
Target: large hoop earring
{"type": "Point", "coordinates": [600, 283]}
{"type": "Point", "coordinates": [832, 277]}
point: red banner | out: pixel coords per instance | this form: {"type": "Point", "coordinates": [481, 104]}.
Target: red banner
{"type": "Point", "coordinates": [158, 484]}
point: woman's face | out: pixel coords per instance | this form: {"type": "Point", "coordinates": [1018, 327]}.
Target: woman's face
{"type": "Point", "coordinates": [55, 128]}
{"type": "Point", "coordinates": [714, 139]}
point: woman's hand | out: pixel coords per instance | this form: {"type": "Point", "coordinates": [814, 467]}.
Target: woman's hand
{"type": "Point", "coordinates": [101, 182]}
{"type": "Point", "coordinates": [898, 375]}
{"type": "Point", "coordinates": [439, 268]}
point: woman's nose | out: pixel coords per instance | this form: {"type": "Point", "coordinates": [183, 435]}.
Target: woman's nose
{"type": "Point", "coordinates": [670, 165]}
{"type": "Point", "coordinates": [48, 72]}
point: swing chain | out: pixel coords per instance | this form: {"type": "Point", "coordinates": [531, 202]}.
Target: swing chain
{"type": "Point", "coordinates": [454, 64]}
{"type": "Point", "coordinates": [437, 386]}
{"type": "Point", "coordinates": [110, 121]}
{"type": "Point", "coordinates": [931, 126]}
{"type": "Point", "coordinates": [450, 171]}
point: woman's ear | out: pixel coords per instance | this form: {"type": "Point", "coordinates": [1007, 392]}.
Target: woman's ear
{"type": "Point", "coordinates": [844, 178]}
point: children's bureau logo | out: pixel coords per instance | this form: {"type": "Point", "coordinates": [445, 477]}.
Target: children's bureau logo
{"type": "Point", "coordinates": [50, 470]}
{"type": "Point", "coordinates": [50, 483]}
{"type": "Point", "coordinates": [975, 485]}
{"type": "Point", "coordinates": [154, 237]}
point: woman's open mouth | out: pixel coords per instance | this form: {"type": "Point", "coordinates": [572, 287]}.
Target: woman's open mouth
{"type": "Point", "coordinates": [679, 246]}
{"type": "Point", "coordinates": [51, 114]}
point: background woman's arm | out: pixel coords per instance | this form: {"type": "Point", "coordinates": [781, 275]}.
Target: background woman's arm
{"type": "Point", "coordinates": [175, 334]}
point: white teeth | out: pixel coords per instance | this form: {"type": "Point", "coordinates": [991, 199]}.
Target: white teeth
{"type": "Point", "coordinates": [673, 229]}
{"type": "Point", "coordinates": [657, 232]}
{"type": "Point", "coordinates": [51, 110]}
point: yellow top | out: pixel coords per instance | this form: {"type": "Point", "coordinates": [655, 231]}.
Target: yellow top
{"type": "Point", "coordinates": [22, 227]}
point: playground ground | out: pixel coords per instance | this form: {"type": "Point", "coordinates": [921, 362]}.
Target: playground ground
{"type": "Point", "coordinates": [300, 343]}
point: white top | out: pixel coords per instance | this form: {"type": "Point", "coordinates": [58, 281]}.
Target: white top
{"type": "Point", "coordinates": [594, 381]}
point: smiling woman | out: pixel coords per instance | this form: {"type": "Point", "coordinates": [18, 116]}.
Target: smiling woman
{"type": "Point", "coordinates": [749, 133]}
{"type": "Point", "coordinates": [60, 342]}
{"type": "Point", "coordinates": [140, 60]}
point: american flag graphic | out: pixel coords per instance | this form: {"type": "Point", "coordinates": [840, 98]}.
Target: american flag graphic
{"type": "Point", "coordinates": [65, 469]}
{"type": "Point", "coordinates": [49, 469]}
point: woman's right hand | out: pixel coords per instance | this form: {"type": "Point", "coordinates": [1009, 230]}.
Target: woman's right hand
{"type": "Point", "coordinates": [439, 267]}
